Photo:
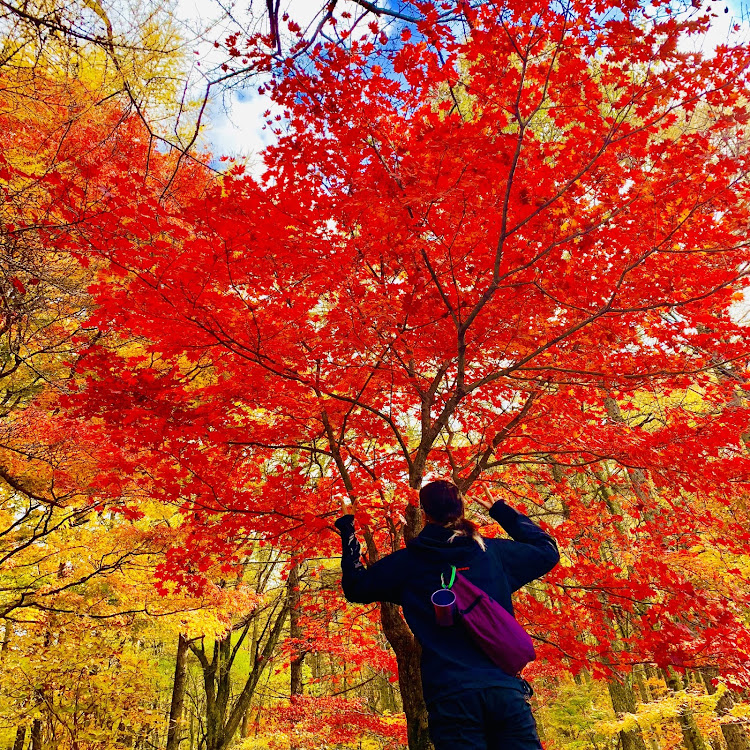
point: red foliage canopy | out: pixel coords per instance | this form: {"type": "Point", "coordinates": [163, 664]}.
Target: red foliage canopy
{"type": "Point", "coordinates": [505, 256]}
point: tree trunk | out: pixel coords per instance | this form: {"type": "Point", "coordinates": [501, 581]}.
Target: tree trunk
{"type": "Point", "coordinates": [20, 740]}
{"type": "Point", "coordinates": [295, 632]}
{"type": "Point", "coordinates": [36, 734]}
{"type": "Point", "coordinates": [407, 652]}
{"type": "Point", "coordinates": [691, 736]}
{"type": "Point", "coordinates": [640, 681]}
{"type": "Point", "coordinates": [217, 694]}
{"type": "Point", "coordinates": [178, 694]}
{"type": "Point", "coordinates": [7, 636]}
{"type": "Point", "coordinates": [734, 734]}
{"type": "Point", "coordinates": [623, 702]}
{"type": "Point", "coordinates": [224, 707]}
{"type": "Point", "coordinates": [244, 726]}
{"type": "Point", "coordinates": [388, 700]}
{"type": "Point", "coordinates": [639, 676]}
{"type": "Point", "coordinates": [714, 739]}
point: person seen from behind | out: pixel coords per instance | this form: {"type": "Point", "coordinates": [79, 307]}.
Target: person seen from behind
{"type": "Point", "coordinates": [472, 703]}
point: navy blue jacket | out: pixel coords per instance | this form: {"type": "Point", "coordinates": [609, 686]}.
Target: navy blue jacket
{"type": "Point", "coordinates": [451, 662]}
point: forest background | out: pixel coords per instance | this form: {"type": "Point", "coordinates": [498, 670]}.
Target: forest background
{"type": "Point", "coordinates": [504, 244]}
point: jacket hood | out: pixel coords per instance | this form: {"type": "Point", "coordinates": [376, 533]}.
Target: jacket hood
{"type": "Point", "coordinates": [433, 543]}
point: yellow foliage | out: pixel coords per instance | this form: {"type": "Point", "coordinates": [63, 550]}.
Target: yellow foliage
{"type": "Point", "coordinates": [650, 715]}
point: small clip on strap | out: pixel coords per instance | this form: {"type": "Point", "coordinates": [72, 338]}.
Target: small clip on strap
{"type": "Point", "coordinates": [453, 578]}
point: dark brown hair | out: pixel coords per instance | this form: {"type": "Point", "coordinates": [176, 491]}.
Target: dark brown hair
{"type": "Point", "coordinates": [444, 505]}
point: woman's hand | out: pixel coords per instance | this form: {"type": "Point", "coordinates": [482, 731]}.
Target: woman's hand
{"type": "Point", "coordinates": [487, 501]}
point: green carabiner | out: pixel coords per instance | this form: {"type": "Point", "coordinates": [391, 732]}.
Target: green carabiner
{"type": "Point", "coordinates": [453, 578]}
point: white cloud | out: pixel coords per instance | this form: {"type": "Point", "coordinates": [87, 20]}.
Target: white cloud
{"type": "Point", "coordinates": [236, 126]}
{"type": "Point", "coordinates": [729, 25]}
{"type": "Point", "coordinates": [236, 116]}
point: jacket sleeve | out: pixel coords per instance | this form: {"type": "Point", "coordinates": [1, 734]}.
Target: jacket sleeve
{"type": "Point", "coordinates": [381, 582]}
{"type": "Point", "coordinates": [531, 554]}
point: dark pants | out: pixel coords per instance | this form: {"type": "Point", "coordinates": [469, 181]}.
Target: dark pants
{"type": "Point", "coordinates": [497, 718]}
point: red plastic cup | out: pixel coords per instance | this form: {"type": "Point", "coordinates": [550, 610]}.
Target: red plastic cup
{"type": "Point", "coordinates": [444, 602]}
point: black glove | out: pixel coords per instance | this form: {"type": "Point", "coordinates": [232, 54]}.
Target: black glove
{"type": "Point", "coordinates": [350, 549]}
{"type": "Point", "coordinates": [345, 524]}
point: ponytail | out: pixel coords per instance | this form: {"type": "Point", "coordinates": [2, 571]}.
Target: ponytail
{"type": "Point", "coordinates": [462, 526]}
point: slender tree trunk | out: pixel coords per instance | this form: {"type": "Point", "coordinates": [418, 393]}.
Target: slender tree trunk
{"type": "Point", "coordinates": [652, 674]}
{"type": "Point", "coordinates": [214, 729]}
{"type": "Point", "coordinates": [640, 681]}
{"type": "Point", "coordinates": [245, 721]}
{"type": "Point", "coordinates": [216, 709]}
{"type": "Point", "coordinates": [734, 734]}
{"type": "Point", "coordinates": [387, 695]}
{"type": "Point", "coordinates": [20, 740]}
{"type": "Point", "coordinates": [639, 676]}
{"type": "Point", "coordinates": [7, 636]}
{"type": "Point", "coordinates": [36, 734]}
{"type": "Point", "coordinates": [178, 694]}
{"type": "Point", "coordinates": [296, 687]}
{"type": "Point", "coordinates": [691, 736]}
{"type": "Point", "coordinates": [623, 702]}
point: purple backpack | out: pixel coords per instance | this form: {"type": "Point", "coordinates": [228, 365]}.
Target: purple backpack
{"type": "Point", "coordinates": [492, 627]}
